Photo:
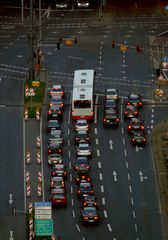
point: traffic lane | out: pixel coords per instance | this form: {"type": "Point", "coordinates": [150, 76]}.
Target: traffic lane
{"type": "Point", "coordinates": [116, 180]}
{"type": "Point", "coordinates": [11, 165]}
{"type": "Point", "coordinates": [145, 194]}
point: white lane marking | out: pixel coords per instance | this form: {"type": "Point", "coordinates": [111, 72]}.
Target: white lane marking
{"type": "Point", "coordinates": [99, 164]}
{"type": "Point", "coordinates": [124, 141]}
{"type": "Point", "coordinates": [126, 164]}
{"type": "Point", "coordinates": [128, 176]}
{"type": "Point", "coordinates": [97, 141]}
{"type": "Point", "coordinates": [134, 215]}
{"type": "Point", "coordinates": [75, 57]}
{"type": "Point", "coordinates": [132, 201]}
{"type": "Point", "coordinates": [109, 227]}
{"type": "Point", "coordinates": [136, 229]}
{"type": "Point", "coordinates": [100, 53]}
{"type": "Point", "coordinates": [69, 153]}
{"type": "Point", "coordinates": [70, 165]}
{"type": "Point", "coordinates": [72, 201]}
{"type": "Point", "coordinates": [100, 176]}
{"type": "Point", "coordinates": [105, 213]}
{"type": "Point", "coordinates": [77, 226]}
{"type": "Point", "coordinates": [98, 152]}
{"type": "Point", "coordinates": [96, 107]}
{"type": "Point", "coordinates": [73, 213]}
{"type": "Point", "coordinates": [68, 131]}
{"type": "Point", "coordinates": [102, 188]}
{"type": "Point", "coordinates": [152, 115]}
{"type": "Point", "coordinates": [103, 201]}
{"type": "Point", "coordinates": [122, 130]}
{"type": "Point", "coordinates": [115, 176]}
{"type": "Point", "coordinates": [70, 177]}
{"type": "Point", "coordinates": [153, 109]}
{"type": "Point", "coordinates": [69, 112]}
{"type": "Point", "coordinates": [152, 120]}
{"type": "Point", "coordinates": [95, 130]}
{"type": "Point", "coordinates": [125, 152]}
{"type": "Point", "coordinates": [151, 126]}
{"type": "Point", "coordinates": [68, 142]}
{"type": "Point", "coordinates": [111, 144]}
{"type": "Point", "coordinates": [130, 188]}
{"type": "Point", "coordinates": [71, 189]}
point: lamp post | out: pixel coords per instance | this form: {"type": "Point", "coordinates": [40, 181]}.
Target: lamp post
{"type": "Point", "coordinates": [31, 42]}
{"type": "Point", "coordinates": [22, 12]}
{"type": "Point", "coordinates": [39, 41]}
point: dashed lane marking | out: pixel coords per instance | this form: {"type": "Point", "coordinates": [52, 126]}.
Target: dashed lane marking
{"type": "Point", "coordinates": [77, 226]}
{"type": "Point", "coordinates": [98, 152]}
{"type": "Point", "coordinates": [102, 188]}
{"type": "Point", "coordinates": [109, 227]}
{"type": "Point", "coordinates": [103, 201]}
{"type": "Point", "coordinates": [100, 176]}
{"type": "Point", "coordinates": [99, 164]}
{"type": "Point", "coordinates": [105, 213]}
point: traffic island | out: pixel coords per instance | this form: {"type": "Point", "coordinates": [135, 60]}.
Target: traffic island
{"type": "Point", "coordinates": [34, 97]}
{"type": "Point", "coordinates": [160, 152]}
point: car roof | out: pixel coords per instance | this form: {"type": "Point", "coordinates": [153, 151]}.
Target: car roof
{"type": "Point", "coordinates": [111, 90]}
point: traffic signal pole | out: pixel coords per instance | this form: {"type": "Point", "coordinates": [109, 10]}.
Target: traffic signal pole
{"type": "Point", "coordinates": [31, 77]}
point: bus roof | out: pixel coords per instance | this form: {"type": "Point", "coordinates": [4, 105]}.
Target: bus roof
{"type": "Point", "coordinates": [81, 93]}
{"type": "Point", "coordinates": [83, 78]}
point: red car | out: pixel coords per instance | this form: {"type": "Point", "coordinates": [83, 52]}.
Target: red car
{"type": "Point", "coordinates": [58, 197]}
{"type": "Point", "coordinates": [135, 124]}
{"type": "Point", "coordinates": [130, 111]}
{"type": "Point", "coordinates": [57, 182]}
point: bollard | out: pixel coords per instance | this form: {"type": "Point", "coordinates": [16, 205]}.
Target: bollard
{"type": "Point", "coordinates": [40, 177]}
{"type": "Point", "coordinates": [30, 208]}
{"type": "Point", "coordinates": [26, 114]}
{"type": "Point", "coordinates": [38, 141]}
{"type": "Point", "coordinates": [26, 91]}
{"type": "Point", "coordinates": [37, 114]}
{"type": "Point", "coordinates": [28, 157]}
{"type": "Point", "coordinates": [38, 157]}
{"type": "Point", "coordinates": [39, 190]}
{"type": "Point", "coordinates": [28, 189]}
{"type": "Point", "coordinates": [27, 177]}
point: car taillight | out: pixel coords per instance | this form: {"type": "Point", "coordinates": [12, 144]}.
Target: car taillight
{"type": "Point", "coordinates": [133, 139]}
{"type": "Point", "coordinates": [140, 103]}
{"type": "Point", "coordinates": [79, 191]}
{"type": "Point", "coordinates": [77, 179]}
{"type": "Point", "coordinates": [96, 217]}
{"type": "Point", "coordinates": [135, 112]}
{"type": "Point", "coordinates": [129, 126]}
{"type": "Point", "coordinates": [104, 120]}
{"type": "Point", "coordinates": [117, 120]}
{"type": "Point", "coordinates": [91, 191]}
{"type": "Point", "coordinates": [61, 104]}
{"type": "Point", "coordinates": [143, 139]}
{"type": "Point", "coordinates": [50, 104]}
{"type": "Point", "coordinates": [49, 112]}
{"type": "Point", "coordinates": [128, 103]}
{"type": "Point", "coordinates": [62, 93]}
{"type": "Point", "coordinates": [142, 127]}
{"type": "Point", "coordinates": [87, 167]}
{"type": "Point", "coordinates": [84, 204]}
{"type": "Point", "coordinates": [59, 150]}
{"type": "Point", "coordinates": [86, 218]}
{"type": "Point", "coordinates": [88, 179]}
{"type": "Point", "coordinates": [126, 112]}
{"type": "Point", "coordinates": [49, 150]}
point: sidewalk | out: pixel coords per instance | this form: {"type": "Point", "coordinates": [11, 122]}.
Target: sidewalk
{"type": "Point", "coordinates": [159, 140]}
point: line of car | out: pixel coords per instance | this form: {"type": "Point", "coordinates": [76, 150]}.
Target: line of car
{"type": "Point", "coordinates": [89, 206]}
{"type": "Point", "coordinates": [135, 127]}
{"type": "Point", "coordinates": [55, 147]}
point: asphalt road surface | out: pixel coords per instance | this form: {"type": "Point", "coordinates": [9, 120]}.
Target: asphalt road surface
{"type": "Point", "coordinates": [123, 176]}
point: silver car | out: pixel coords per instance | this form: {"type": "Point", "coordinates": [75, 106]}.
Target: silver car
{"type": "Point", "coordinates": [84, 150]}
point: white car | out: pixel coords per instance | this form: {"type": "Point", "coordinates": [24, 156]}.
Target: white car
{"type": "Point", "coordinates": [84, 150]}
{"type": "Point", "coordinates": [61, 4]}
{"type": "Point", "coordinates": [83, 3]}
{"type": "Point", "coordinates": [112, 94]}
{"type": "Point", "coordinates": [81, 125]}
{"type": "Point", "coordinates": [56, 90]}
{"type": "Point", "coordinates": [54, 158]}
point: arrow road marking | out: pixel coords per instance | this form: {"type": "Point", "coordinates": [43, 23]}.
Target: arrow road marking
{"type": "Point", "coordinates": [111, 144]}
{"type": "Point", "coordinates": [142, 177]}
{"type": "Point", "coordinates": [10, 199]}
{"type": "Point", "coordinates": [138, 148]}
{"type": "Point", "coordinates": [115, 176]}
{"type": "Point", "coordinates": [11, 235]}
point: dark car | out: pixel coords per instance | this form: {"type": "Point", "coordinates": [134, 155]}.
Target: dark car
{"type": "Point", "coordinates": [55, 147]}
{"type": "Point", "coordinates": [89, 201]}
{"type": "Point", "coordinates": [138, 138]}
{"type": "Point", "coordinates": [57, 182]}
{"type": "Point", "coordinates": [62, 4]}
{"type": "Point", "coordinates": [135, 124]}
{"type": "Point", "coordinates": [110, 104]}
{"type": "Point", "coordinates": [82, 137]}
{"type": "Point", "coordinates": [59, 170]}
{"type": "Point", "coordinates": [82, 175]}
{"type": "Point", "coordinates": [55, 113]}
{"type": "Point", "coordinates": [52, 124]}
{"type": "Point", "coordinates": [54, 158]}
{"type": "Point", "coordinates": [82, 3]}
{"type": "Point", "coordinates": [58, 197]}
{"type": "Point", "coordinates": [110, 117]}
{"type": "Point", "coordinates": [90, 215]}
{"type": "Point", "coordinates": [130, 111]}
{"type": "Point", "coordinates": [134, 99]}
{"type": "Point", "coordinates": [85, 188]}
{"type": "Point", "coordinates": [82, 162]}
{"type": "Point", "coordinates": [57, 101]}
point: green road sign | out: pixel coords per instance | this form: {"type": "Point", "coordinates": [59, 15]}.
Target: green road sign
{"type": "Point", "coordinates": [44, 227]}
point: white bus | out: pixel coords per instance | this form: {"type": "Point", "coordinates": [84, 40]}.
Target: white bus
{"type": "Point", "coordinates": [83, 94]}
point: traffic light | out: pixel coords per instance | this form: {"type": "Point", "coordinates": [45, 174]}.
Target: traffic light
{"type": "Point", "coordinates": [113, 44]}
{"type": "Point", "coordinates": [58, 45]}
{"type": "Point", "coordinates": [158, 72]}
{"type": "Point", "coordinates": [138, 49]}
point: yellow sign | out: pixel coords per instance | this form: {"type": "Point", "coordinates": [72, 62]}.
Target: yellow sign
{"type": "Point", "coordinates": [35, 83]}
{"type": "Point", "coordinates": [123, 47]}
{"type": "Point", "coordinates": [69, 42]}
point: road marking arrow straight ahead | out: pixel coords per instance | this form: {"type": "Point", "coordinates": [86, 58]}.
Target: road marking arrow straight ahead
{"type": "Point", "coordinates": [115, 176]}
{"type": "Point", "coordinates": [11, 235]}
{"type": "Point", "coordinates": [10, 199]}
{"type": "Point", "coordinates": [142, 178]}
{"type": "Point", "coordinates": [111, 144]}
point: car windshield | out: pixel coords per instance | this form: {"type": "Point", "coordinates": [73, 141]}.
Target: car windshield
{"type": "Point", "coordinates": [81, 123]}
{"type": "Point", "coordinates": [82, 161]}
{"type": "Point", "coordinates": [110, 103]}
{"type": "Point", "coordinates": [83, 148]}
{"type": "Point", "coordinates": [53, 123]}
{"type": "Point", "coordinates": [58, 196]}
